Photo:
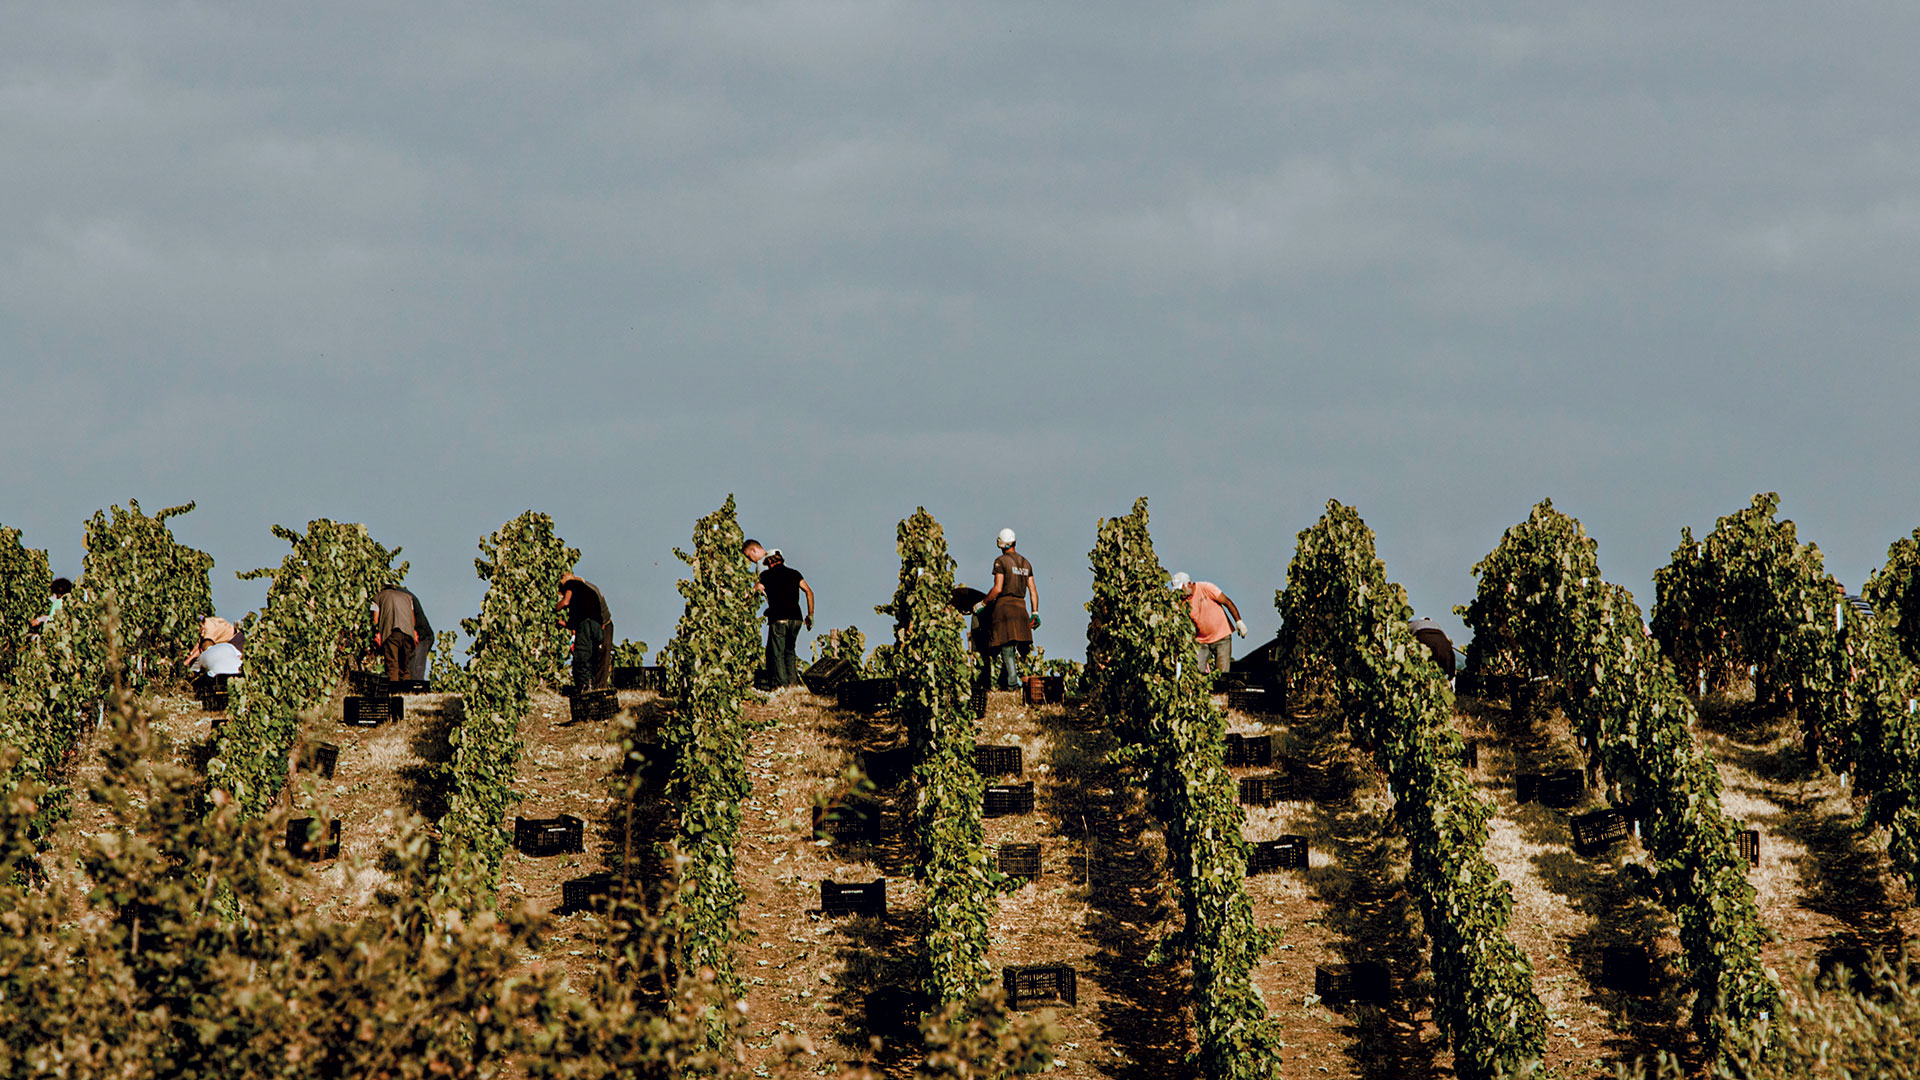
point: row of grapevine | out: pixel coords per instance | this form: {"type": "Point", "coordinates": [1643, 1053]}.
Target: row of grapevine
{"type": "Point", "coordinates": [1895, 593]}
{"type": "Point", "coordinates": [25, 579]}
{"type": "Point", "coordinates": [160, 589]}
{"type": "Point", "coordinates": [1140, 645]}
{"type": "Point", "coordinates": [932, 668]}
{"type": "Point", "coordinates": [1751, 594]}
{"type": "Point", "coordinates": [1543, 611]}
{"type": "Point", "coordinates": [313, 622]}
{"type": "Point", "coordinates": [517, 641]}
{"type": "Point", "coordinates": [1338, 605]}
{"type": "Point", "coordinates": [710, 665]}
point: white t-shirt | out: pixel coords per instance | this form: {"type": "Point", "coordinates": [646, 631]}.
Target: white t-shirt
{"type": "Point", "coordinates": [218, 659]}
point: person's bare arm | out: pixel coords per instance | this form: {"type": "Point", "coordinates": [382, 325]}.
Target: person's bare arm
{"type": "Point", "coordinates": [993, 593]}
{"type": "Point", "coordinates": [1231, 608]}
{"type": "Point", "coordinates": [808, 589]}
{"type": "Point", "coordinates": [1033, 594]}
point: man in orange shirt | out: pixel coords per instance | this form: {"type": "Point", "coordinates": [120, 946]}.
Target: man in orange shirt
{"type": "Point", "coordinates": [1213, 633]}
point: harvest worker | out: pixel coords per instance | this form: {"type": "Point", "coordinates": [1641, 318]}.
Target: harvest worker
{"type": "Point", "coordinates": [216, 633]}
{"type": "Point", "coordinates": [56, 599]}
{"type": "Point", "coordinates": [587, 616]}
{"type": "Point", "coordinates": [783, 585]}
{"type": "Point", "coordinates": [394, 633]}
{"type": "Point", "coordinates": [423, 633]}
{"type": "Point", "coordinates": [1428, 633]}
{"type": "Point", "coordinates": [1212, 632]}
{"type": "Point", "coordinates": [1010, 627]}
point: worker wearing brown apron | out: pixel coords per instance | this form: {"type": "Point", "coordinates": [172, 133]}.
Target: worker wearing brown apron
{"type": "Point", "coordinates": [1012, 611]}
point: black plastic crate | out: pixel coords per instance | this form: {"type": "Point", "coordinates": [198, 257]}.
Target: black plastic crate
{"type": "Point", "coordinates": [1365, 982]}
{"type": "Point", "coordinates": [848, 819]}
{"type": "Point", "coordinates": [211, 691]}
{"type": "Point", "coordinates": [979, 702]}
{"type": "Point", "coordinates": [1484, 686]}
{"type": "Point", "coordinates": [825, 677]}
{"type": "Point", "coordinates": [1289, 852]}
{"type": "Point", "coordinates": [998, 760]}
{"type": "Point", "coordinates": [854, 898]}
{"type": "Point", "coordinates": [867, 696]}
{"type": "Point", "coordinates": [1599, 830]}
{"type": "Point", "coordinates": [326, 757]}
{"type": "Point", "coordinates": [652, 762]}
{"type": "Point", "coordinates": [549, 836]}
{"type": "Point", "coordinates": [1044, 689]}
{"type": "Point", "coordinates": [593, 706]}
{"type": "Point", "coordinates": [367, 683]}
{"type": "Point", "coordinates": [588, 893]}
{"type": "Point", "coordinates": [888, 768]}
{"type": "Point", "coordinates": [1626, 969]}
{"type": "Point", "coordinates": [1019, 860]}
{"type": "Point", "coordinates": [1035, 984]}
{"type": "Point", "coordinates": [410, 686]}
{"type": "Point", "coordinates": [1004, 799]}
{"type": "Point", "coordinates": [1249, 751]}
{"type": "Point", "coordinates": [1470, 754]}
{"type": "Point", "coordinates": [371, 711]}
{"type": "Point", "coordinates": [1749, 840]}
{"type": "Point", "coordinates": [1559, 789]}
{"type": "Point", "coordinates": [302, 845]}
{"type": "Point", "coordinates": [1267, 789]}
{"type": "Point", "coordinates": [640, 677]}
{"type": "Point", "coordinates": [893, 1013]}
{"type": "Point", "coordinates": [1257, 700]}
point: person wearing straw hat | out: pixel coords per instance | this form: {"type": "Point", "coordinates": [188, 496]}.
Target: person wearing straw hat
{"type": "Point", "coordinates": [1012, 610]}
{"type": "Point", "coordinates": [218, 650]}
{"type": "Point", "coordinates": [1208, 607]}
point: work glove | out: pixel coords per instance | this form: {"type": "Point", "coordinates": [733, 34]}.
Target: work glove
{"type": "Point", "coordinates": [979, 607]}
{"type": "Point", "coordinates": [1033, 620]}
{"type": "Point", "coordinates": [1240, 627]}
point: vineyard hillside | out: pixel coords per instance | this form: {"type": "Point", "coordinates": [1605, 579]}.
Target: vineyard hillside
{"type": "Point", "coordinates": [1105, 901]}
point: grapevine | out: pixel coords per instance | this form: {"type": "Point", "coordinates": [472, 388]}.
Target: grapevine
{"type": "Point", "coordinates": [160, 589]}
{"type": "Point", "coordinates": [1895, 593]}
{"type": "Point", "coordinates": [1140, 644]}
{"type": "Point", "coordinates": [25, 579]}
{"type": "Point", "coordinates": [1339, 604]}
{"type": "Point", "coordinates": [711, 660]}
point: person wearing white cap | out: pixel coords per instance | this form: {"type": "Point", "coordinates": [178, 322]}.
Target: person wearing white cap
{"type": "Point", "coordinates": [1213, 634]}
{"type": "Point", "coordinates": [1010, 623]}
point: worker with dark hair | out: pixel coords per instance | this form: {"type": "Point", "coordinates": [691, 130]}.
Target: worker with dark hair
{"type": "Point", "coordinates": [56, 599]}
{"type": "Point", "coordinates": [394, 633]}
{"type": "Point", "coordinates": [783, 586]}
{"type": "Point", "coordinates": [584, 611]}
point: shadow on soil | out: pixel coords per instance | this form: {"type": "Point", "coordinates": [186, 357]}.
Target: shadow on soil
{"type": "Point", "coordinates": [1124, 877]}
{"type": "Point", "coordinates": [1367, 903]}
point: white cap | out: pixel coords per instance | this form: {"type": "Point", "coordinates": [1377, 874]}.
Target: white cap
{"type": "Point", "coordinates": [1181, 580]}
{"type": "Point", "coordinates": [1005, 539]}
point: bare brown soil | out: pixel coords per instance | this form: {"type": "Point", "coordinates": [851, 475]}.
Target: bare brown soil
{"type": "Point", "coordinates": [1104, 898]}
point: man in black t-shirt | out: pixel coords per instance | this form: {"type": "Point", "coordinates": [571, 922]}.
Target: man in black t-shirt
{"type": "Point", "coordinates": [584, 611]}
{"type": "Point", "coordinates": [783, 585]}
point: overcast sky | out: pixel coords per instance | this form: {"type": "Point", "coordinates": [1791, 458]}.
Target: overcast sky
{"type": "Point", "coordinates": [428, 265]}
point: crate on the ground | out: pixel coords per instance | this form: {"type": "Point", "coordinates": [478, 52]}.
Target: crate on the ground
{"type": "Point", "coordinates": [1365, 982]}
{"type": "Point", "coordinates": [1626, 969]}
{"type": "Point", "coordinates": [1038, 984]}
{"type": "Point", "coordinates": [593, 706]}
{"type": "Point", "coordinates": [825, 677]}
{"type": "Point", "coordinates": [1004, 799]}
{"type": "Point", "coordinates": [998, 760]}
{"type": "Point", "coordinates": [1288, 852]}
{"type": "Point", "coordinates": [590, 892]}
{"type": "Point", "coordinates": [1019, 860]}
{"type": "Point", "coordinates": [1599, 830]}
{"type": "Point", "coordinates": [326, 758]}
{"type": "Point", "coordinates": [305, 840]}
{"type": "Point", "coordinates": [867, 696]}
{"type": "Point", "coordinates": [410, 686]}
{"type": "Point", "coordinates": [1484, 686]}
{"type": "Point", "coordinates": [888, 768]}
{"type": "Point", "coordinates": [1249, 751]}
{"type": "Point", "coordinates": [1267, 789]}
{"type": "Point", "coordinates": [1558, 788]}
{"type": "Point", "coordinates": [652, 763]}
{"type": "Point", "coordinates": [212, 691]}
{"type": "Point", "coordinates": [1254, 700]}
{"type": "Point", "coordinates": [367, 683]}
{"type": "Point", "coordinates": [1044, 689]}
{"type": "Point", "coordinates": [847, 819]}
{"type": "Point", "coordinates": [1470, 754]}
{"type": "Point", "coordinates": [359, 711]}
{"type": "Point", "coordinates": [854, 897]}
{"type": "Point", "coordinates": [893, 1013]}
{"type": "Point", "coordinates": [979, 702]}
{"type": "Point", "coordinates": [1750, 846]}
{"type": "Point", "coordinates": [549, 836]}
{"type": "Point", "coordinates": [640, 677]}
